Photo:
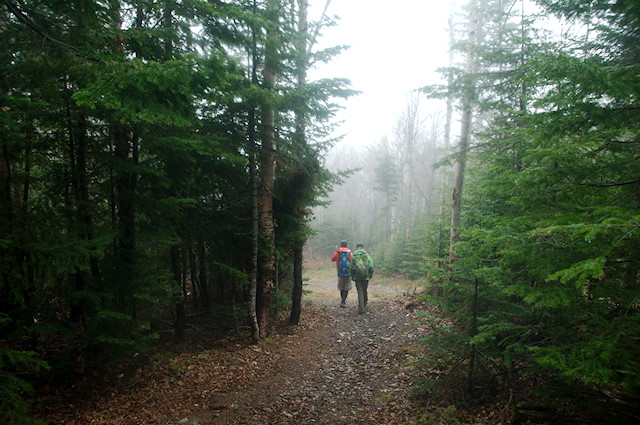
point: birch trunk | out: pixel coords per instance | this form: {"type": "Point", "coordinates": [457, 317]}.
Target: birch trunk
{"type": "Point", "coordinates": [447, 147]}
{"type": "Point", "coordinates": [253, 318]}
{"type": "Point", "coordinates": [267, 261]}
{"type": "Point", "coordinates": [255, 215]}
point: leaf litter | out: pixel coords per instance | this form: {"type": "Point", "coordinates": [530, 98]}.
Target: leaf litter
{"type": "Point", "coordinates": [336, 367]}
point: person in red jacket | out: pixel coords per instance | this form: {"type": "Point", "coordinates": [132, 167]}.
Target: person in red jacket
{"type": "Point", "coordinates": [342, 257]}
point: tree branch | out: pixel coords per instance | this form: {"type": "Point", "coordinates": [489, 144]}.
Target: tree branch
{"type": "Point", "coordinates": [609, 184]}
{"type": "Point", "coordinates": [19, 14]}
{"type": "Point", "coordinates": [317, 31]}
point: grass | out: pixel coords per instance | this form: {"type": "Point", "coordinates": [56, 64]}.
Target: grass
{"type": "Point", "coordinates": [321, 282]}
{"type": "Point", "coordinates": [396, 284]}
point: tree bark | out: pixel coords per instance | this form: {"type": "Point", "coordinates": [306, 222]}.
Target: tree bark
{"type": "Point", "coordinates": [126, 156]}
{"type": "Point", "coordinates": [126, 151]}
{"type": "Point", "coordinates": [473, 332]}
{"type": "Point", "coordinates": [76, 162]}
{"type": "Point", "coordinates": [6, 217]}
{"type": "Point", "coordinates": [202, 273]}
{"type": "Point", "coordinates": [193, 273]}
{"type": "Point", "coordinates": [6, 207]}
{"type": "Point", "coordinates": [267, 262]}
{"type": "Point", "coordinates": [296, 296]}
{"type": "Point", "coordinates": [447, 146]}
{"type": "Point", "coordinates": [78, 147]}
{"type": "Point", "coordinates": [302, 64]}
{"type": "Point", "coordinates": [253, 318]}
{"type": "Point", "coordinates": [465, 132]}
{"type": "Point", "coordinates": [176, 271]}
{"type": "Point", "coordinates": [255, 217]}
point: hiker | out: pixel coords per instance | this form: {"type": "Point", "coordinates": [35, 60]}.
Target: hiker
{"type": "Point", "coordinates": [342, 257]}
{"type": "Point", "coordinates": [361, 270]}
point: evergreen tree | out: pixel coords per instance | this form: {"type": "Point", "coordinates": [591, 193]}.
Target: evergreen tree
{"type": "Point", "coordinates": [387, 182]}
{"type": "Point", "coordinates": [546, 258]}
{"type": "Point", "coordinates": [124, 166]}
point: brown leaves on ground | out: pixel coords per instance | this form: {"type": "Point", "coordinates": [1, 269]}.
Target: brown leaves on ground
{"type": "Point", "coordinates": [337, 367]}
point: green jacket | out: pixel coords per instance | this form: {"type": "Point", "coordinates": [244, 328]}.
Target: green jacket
{"type": "Point", "coordinates": [351, 265]}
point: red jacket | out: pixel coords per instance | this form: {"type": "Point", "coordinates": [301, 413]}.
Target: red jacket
{"type": "Point", "coordinates": [335, 255]}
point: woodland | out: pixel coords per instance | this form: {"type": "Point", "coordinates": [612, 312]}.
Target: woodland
{"type": "Point", "coordinates": [167, 161]}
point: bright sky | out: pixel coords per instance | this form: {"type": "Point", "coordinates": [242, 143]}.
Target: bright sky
{"type": "Point", "coordinates": [396, 47]}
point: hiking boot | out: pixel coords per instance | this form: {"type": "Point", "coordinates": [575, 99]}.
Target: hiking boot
{"type": "Point", "coordinates": [343, 305]}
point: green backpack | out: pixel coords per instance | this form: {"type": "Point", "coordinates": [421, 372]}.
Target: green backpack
{"type": "Point", "coordinates": [360, 267]}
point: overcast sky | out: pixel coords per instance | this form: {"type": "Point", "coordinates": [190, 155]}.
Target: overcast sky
{"type": "Point", "coordinates": [396, 47]}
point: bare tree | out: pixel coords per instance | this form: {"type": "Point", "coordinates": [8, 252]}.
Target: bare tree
{"type": "Point", "coordinates": [409, 134]}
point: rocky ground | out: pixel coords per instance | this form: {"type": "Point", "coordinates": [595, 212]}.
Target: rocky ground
{"type": "Point", "coordinates": [336, 367]}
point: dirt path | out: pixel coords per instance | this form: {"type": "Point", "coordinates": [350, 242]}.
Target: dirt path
{"type": "Point", "coordinates": [336, 367]}
{"type": "Point", "coordinates": [348, 369]}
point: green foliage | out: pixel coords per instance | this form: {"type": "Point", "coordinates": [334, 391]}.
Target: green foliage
{"type": "Point", "coordinates": [441, 416]}
{"type": "Point", "coordinates": [550, 208]}
{"type": "Point", "coordinates": [14, 388]}
{"type": "Point", "coordinates": [446, 346]}
{"type": "Point", "coordinates": [596, 359]}
{"type": "Point", "coordinates": [125, 134]}
{"type": "Point", "coordinates": [280, 300]}
{"type": "Point", "coordinates": [389, 257]}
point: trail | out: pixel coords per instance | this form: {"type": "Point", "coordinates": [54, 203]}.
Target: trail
{"type": "Point", "coordinates": [336, 367]}
{"type": "Point", "coordinates": [350, 369]}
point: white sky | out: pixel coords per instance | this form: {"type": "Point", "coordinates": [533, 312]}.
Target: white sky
{"type": "Point", "coordinates": [396, 47]}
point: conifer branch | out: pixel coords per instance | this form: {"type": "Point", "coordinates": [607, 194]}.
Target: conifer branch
{"type": "Point", "coordinates": [19, 14]}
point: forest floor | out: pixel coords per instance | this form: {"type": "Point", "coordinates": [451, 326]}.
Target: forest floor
{"type": "Point", "coordinates": [335, 367]}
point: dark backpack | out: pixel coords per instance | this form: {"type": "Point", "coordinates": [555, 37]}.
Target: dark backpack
{"type": "Point", "coordinates": [360, 267]}
{"type": "Point", "coordinates": [344, 257]}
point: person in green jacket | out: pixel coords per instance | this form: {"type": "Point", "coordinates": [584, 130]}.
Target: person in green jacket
{"type": "Point", "coordinates": [361, 270]}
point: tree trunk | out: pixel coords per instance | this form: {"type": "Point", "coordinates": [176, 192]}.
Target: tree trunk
{"type": "Point", "coordinates": [184, 257]}
{"type": "Point", "coordinates": [193, 272]}
{"type": "Point", "coordinates": [78, 147]}
{"type": "Point", "coordinates": [176, 272]}
{"type": "Point", "coordinates": [447, 145]}
{"type": "Point", "coordinates": [6, 218]}
{"type": "Point", "coordinates": [253, 318]}
{"type": "Point", "coordinates": [465, 132]}
{"type": "Point", "coordinates": [255, 217]}
{"type": "Point", "coordinates": [126, 151]}
{"type": "Point", "coordinates": [267, 262]}
{"type": "Point", "coordinates": [296, 296]}
{"type": "Point", "coordinates": [473, 332]}
{"type": "Point", "coordinates": [300, 135]}
{"type": "Point", "coordinates": [80, 276]}
{"type": "Point", "coordinates": [204, 281]}
{"type": "Point", "coordinates": [6, 207]}
{"type": "Point", "coordinates": [85, 201]}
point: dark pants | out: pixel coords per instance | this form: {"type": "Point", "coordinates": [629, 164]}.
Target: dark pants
{"type": "Point", "coordinates": [343, 296]}
{"type": "Point", "coordinates": [361, 286]}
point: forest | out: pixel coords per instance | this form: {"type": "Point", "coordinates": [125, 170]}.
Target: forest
{"type": "Point", "coordinates": [164, 160]}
